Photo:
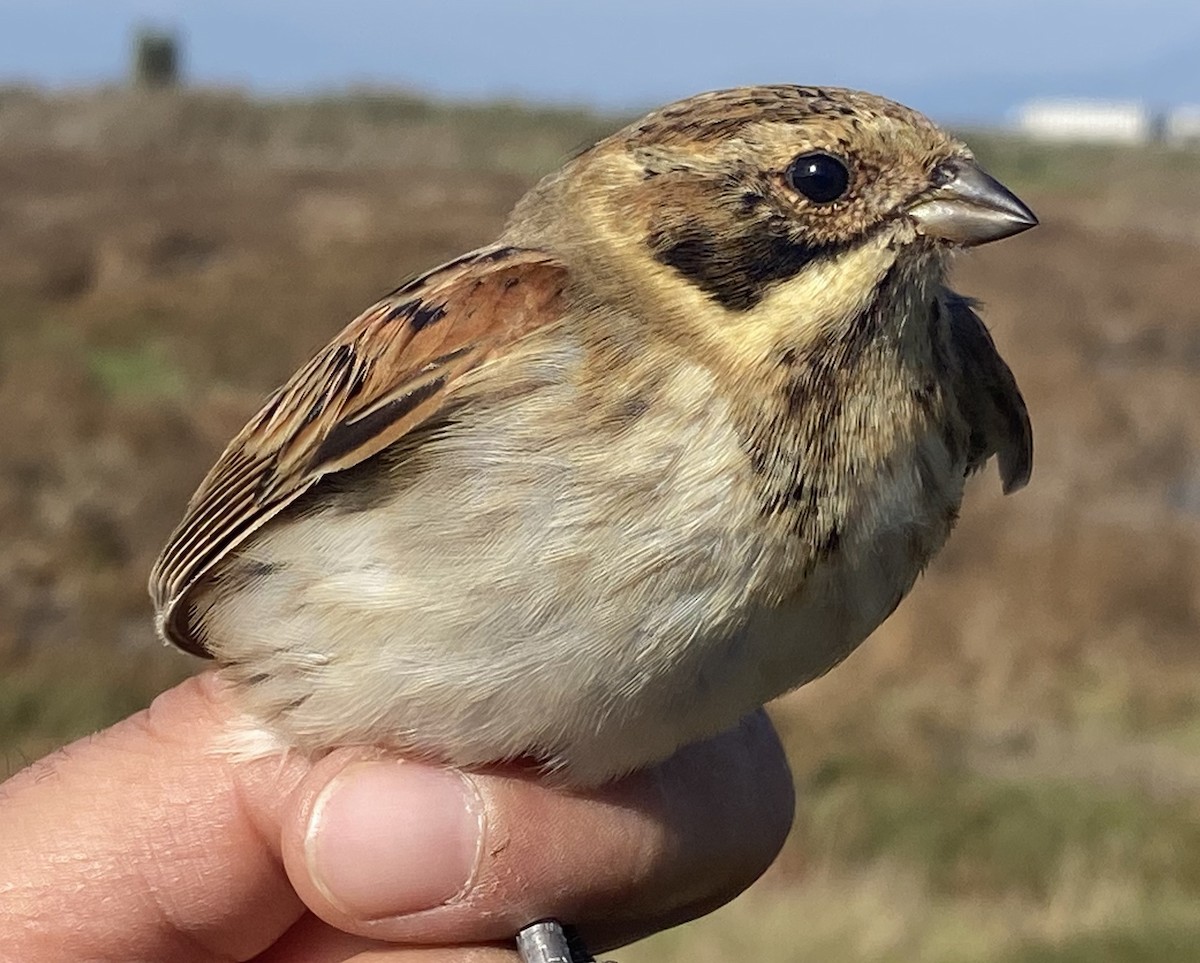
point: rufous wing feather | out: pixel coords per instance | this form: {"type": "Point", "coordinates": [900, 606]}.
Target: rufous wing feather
{"type": "Point", "coordinates": [388, 372]}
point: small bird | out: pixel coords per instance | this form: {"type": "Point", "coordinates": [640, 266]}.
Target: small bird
{"type": "Point", "coordinates": [672, 446]}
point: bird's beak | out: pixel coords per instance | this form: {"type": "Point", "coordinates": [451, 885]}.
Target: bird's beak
{"type": "Point", "coordinates": [969, 207]}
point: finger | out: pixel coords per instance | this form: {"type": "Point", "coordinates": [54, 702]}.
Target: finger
{"type": "Point", "coordinates": [314, 941]}
{"type": "Point", "coordinates": [399, 851]}
{"type": "Point", "coordinates": [143, 843]}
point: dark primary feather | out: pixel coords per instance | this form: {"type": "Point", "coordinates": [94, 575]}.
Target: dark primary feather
{"type": "Point", "coordinates": [385, 374]}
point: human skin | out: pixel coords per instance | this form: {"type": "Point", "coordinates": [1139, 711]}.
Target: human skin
{"type": "Point", "coordinates": [142, 843]}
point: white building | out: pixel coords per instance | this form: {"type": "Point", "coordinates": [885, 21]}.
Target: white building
{"type": "Point", "coordinates": [1103, 121]}
{"type": "Point", "coordinates": [1182, 125]}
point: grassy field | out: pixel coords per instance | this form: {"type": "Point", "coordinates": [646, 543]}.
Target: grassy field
{"type": "Point", "coordinates": [1009, 772]}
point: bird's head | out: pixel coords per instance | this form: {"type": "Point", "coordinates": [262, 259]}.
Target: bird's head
{"type": "Point", "coordinates": [787, 203]}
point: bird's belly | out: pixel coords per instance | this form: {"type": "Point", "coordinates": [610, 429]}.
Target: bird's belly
{"type": "Point", "coordinates": [596, 608]}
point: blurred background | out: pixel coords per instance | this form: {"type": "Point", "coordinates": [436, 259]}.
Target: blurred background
{"type": "Point", "coordinates": [194, 196]}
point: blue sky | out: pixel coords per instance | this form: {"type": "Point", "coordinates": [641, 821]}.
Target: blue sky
{"type": "Point", "coordinates": [955, 58]}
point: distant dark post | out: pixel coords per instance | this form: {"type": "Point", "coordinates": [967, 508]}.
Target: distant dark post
{"type": "Point", "coordinates": [155, 60]}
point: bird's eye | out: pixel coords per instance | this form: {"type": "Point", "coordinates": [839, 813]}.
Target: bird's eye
{"type": "Point", "coordinates": [820, 177]}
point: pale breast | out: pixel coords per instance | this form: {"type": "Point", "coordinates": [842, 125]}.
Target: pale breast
{"type": "Point", "coordinates": [525, 589]}
{"type": "Point", "coordinates": [535, 580]}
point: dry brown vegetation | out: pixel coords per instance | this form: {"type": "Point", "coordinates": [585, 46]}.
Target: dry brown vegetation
{"type": "Point", "coordinates": [1008, 772]}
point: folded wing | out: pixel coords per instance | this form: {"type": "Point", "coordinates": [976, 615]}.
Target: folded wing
{"type": "Point", "coordinates": [389, 371]}
{"type": "Point", "coordinates": [989, 398]}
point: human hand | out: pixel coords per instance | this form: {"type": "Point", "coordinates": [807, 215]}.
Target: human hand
{"type": "Point", "coordinates": [141, 843]}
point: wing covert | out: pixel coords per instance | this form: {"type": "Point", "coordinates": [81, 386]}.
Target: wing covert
{"type": "Point", "coordinates": [386, 373]}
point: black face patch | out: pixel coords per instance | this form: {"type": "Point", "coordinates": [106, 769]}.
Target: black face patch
{"type": "Point", "coordinates": [736, 272]}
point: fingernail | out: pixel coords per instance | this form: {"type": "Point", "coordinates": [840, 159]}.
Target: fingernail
{"type": "Point", "coordinates": [390, 838]}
